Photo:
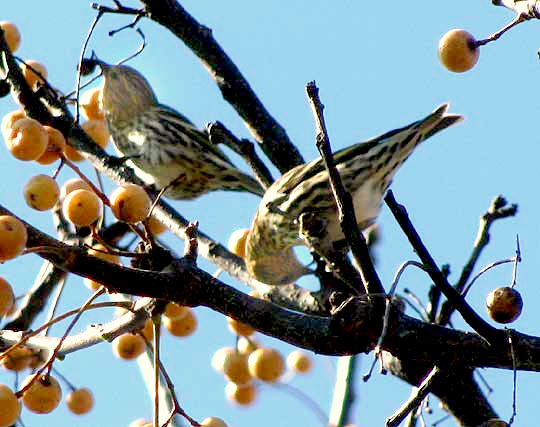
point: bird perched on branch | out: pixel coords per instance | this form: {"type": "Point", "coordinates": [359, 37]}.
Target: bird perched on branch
{"type": "Point", "coordinates": [366, 170]}
{"type": "Point", "coordinates": [165, 147]}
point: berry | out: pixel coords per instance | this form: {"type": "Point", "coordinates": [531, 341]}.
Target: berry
{"type": "Point", "coordinates": [13, 237]}
{"type": "Point", "coordinates": [239, 328]}
{"type": "Point", "coordinates": [213, 422]}
{"type": "Point", "coordinates": [130, 203]}
{"type": "Point", "coordinates": [175, 311]}
{"type": "Point", "coordinates": [266, 364]}
{"type": "Point", "coordinates": [41, 192]}
{"type": "Point", "coordinates": [43, 396]}
{"type": "Point", "coordinates": [82, 207]}
{"type": "Point", "coordinates": [34, 72]}
{"type": "Point", "coordinates": [7, 298]}
{"type": "Point", "coordinates": [182, 326]}
{"type": "Point", "coordinates": [72, 185]}
{"type": "Point", "coordinates": [9, 119]}
{"type": "Point", "coordinates": [244, 394]}
{"type": "Point", "coordinates": [155, 226]}
{"type": "Point", "coordinates": [17, 359]}
{"type": "Point", "coordinates": [457, 51]}
{"type": "Point", "coordinates": [56, 144]}
{"type": "Point", "coordinates": [235, 368]}
{"type": "Point", "coordinates": [299, 361]}
{"type": "Point", "coordinates": [26, 139]}
{"type": "Point", "coordinates": [10, 408]}
{"type": "Point", "coordinates": [504, 304]}
{"type": "Point", "coordinates": [97, 130]}
{"type": "Point", "coordinates": [73, 155]}
{"type": "Point", "coordinates": [11, 35]}
{"type": "Point", "coordinates": [219, 357]}
{"type": "Point", "coordinates": [247, 345]}
{"type": "Point", "coordinates": [90, 104]}
{"type": "Point", "coordinates": [128, 346]}
{"type": "Point", "coordinates": [80, 401]}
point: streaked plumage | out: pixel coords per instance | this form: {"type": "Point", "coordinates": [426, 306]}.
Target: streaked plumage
{"type": "Point", "coordinates": [163, 144]}
{"type": "Point", "coordinates": [366, 170]}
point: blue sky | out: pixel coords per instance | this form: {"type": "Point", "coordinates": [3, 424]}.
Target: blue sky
{"type": "Point", "coordinates": [377, 69]}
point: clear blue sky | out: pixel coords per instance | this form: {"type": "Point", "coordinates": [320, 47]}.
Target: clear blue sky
{"type": "Point", "coordinates": [377, 68]}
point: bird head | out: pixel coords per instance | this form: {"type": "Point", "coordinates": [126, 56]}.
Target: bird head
{"type": "Point", "coordinates": [277, 269]}
{"type": "Point", "coordinates": [124, 92]}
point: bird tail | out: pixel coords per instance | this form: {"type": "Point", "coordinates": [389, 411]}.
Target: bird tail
{"type": "Point", "coordinates": [235, 180]}
{"type": "Point", "coordinates": [440, 120]}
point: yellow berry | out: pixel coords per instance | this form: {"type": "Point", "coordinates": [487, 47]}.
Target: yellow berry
{"type": "Point", "coordinates": [130, 203]}
{"type": "Point", "coordinates": [80, 401]}
{"type": "Point", "coordinates": [241, 394]}
{"type": "Point", "coordinates": [9, 119]}
{"type": "Point", "coordinates": [11, 35]}
{"type": "Point", "coordinates": [175, 311]}
{"type": "Point", "coordinates": [7, 298]}
{"type": "Point", "coordinates": [26, 139]}
{"type": "Point", "coordinates": [34, 72]}
{"type": "Point", "coordinates": [10, 408]}
{"type": "Point", "coordinates": [239, 328]}
{"type": "Point", "coordinates": [148, 330]}
{"type": "Point", "coordinates": [246, 345]}
{"type": "Point", "coordinates": [182, 326]}
{"type": "Point", "coordinates": [13, 237]}
{"type": "Point", "coordinates": [101, 252]}
{"type": "Point", "coordinates": [457, 51]}
{"type": "Point", "coordinates": [128, 346]}
{"type": "Point", "coordinates": [72, 185]}
{"type": "Point", "coordinates": [98, 131]}
{"type": "Point", "coordinates": [56, 144]}
{"type": "Point", "coordinates": [72, 154]}
{"type": "Point", "coordinates": [504, 304]}
{"type": "Point", "coordinates": [235, 368]}
{"type": "Point", "coordinates": [17, 359]}
{"type": "Point", "coordinates": [155, 226]}
{"type": "Point", "coordinates": [213, 422]}
{"type": "Point", "coordinates": [266, 364]}
{"type": "Point", "coordinates": [299, 361]}
{"type": "Point", "coordinates": [43, 396]}
{"type": "Point", "coordinates": [41, 192]}
{"type": "Point", "coordinates": [90, 104]}
{"type": "Point", "coordinates": [141, 422]}
{"type": "Point", "coordinates": [219, 357]}
{"type": "Point", "coordinates": [82, 207]}
{"type": "Point", "coordinates": [237, 242]}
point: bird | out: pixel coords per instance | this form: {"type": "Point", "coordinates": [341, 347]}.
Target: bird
{"type": "Point", "coordinates": [167, 149]}
{"type": "Point", "coordinates": [366, 170]}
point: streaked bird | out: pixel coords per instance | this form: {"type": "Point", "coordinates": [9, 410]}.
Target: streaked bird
{"type": "Point", "coordinates": [164, 146]}
{"type": "Point", "coordinates": [366, 170]}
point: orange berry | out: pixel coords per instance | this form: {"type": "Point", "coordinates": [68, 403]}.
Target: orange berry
{"type": "Point", "coordinates": [43, 396]}
{"type": "Point", "coordinates": [90, 104]}
{"type": "Point", "coordinates": [41, 192]}
{"type": "Point", "coordinates": [73, 155]}
{"type": "Point", "coordinates": [101, 252]}
{"type": "Point", "coordinates": [9, 119]}
{"type": "Point", "coordinates": [128, 346]}
{"type": "Point", "coordinates": [504, 304]}
{"type": "Point", "coordinates": [72, 185]}
{"type": "Point", "coordinates": [219, 357]}
{"type": "Point", "coordinates": [244, 394]}
{"type": "Point", "coordinates": [11, 35]}
{"type": "Point", "coordinates": [17, 359]}
{"type": "Point", "coordinates": [10, 408]}
{"type": "Point", "coordinates": [34, 72]}
{"type": "Point", "coordinates": [80, 401]}
{"type": "Point", "coordinates": [130, 203]}
{"type": "Point", "coordinates": [56, 144]}
{"type": "Point", "coordinates": [156, 227]}
{"type": "Point", "coordinates": [98, 131]}
{"type": "Point", "coordinates": [457, 51]}
{"type": "Point", "coordinates": [148, 330]}
{"type": "Point", "coordinates": [266, 364]}
{"type": "Point", "coordinates": [82, 207]}
{"type": "Point", "coordinates": [13, 237]}
{"type": "Point", "coordinates": [213, 422]}
{"type": "Point", "coordinates": [299, 361]}
{"type": "Point", "coordinates": [247, 345]}
{"type": "Point", "coordinates": [175, 311]}
{"type": "Point", "coordinates": [239, 328]}
{"type": "Point", "coordinates": [7, 298]}
{"type": "Point", "coordinates": [183, 326]}
{"type": "Point", "coordinates": [235, 368]}
{"type": "Point", "coordinates": [27, 139]}
{"type": "Point", "coordinates": [237, 242]}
